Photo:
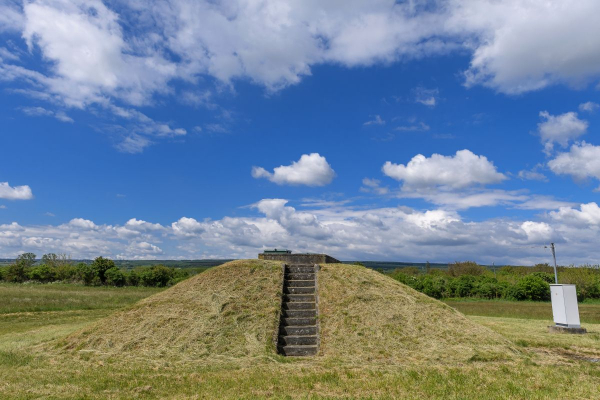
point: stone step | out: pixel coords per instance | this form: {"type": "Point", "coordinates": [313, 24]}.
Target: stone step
{"type": "Point", "coordinates": [299, 283]}
{"type": "Point", "coordinates": [300, 276]}
{"type": "Point", "coordinates": [300, 313]}
{"type": "Point", "coordinates": [297, 330]}
{"type": "Point", "coordinates": [299, 305]}
{"type": "Point", "coordinates": [298, 351]}
{"type": "Point", "coordinates": [297, 340]}
{"type": "Point", "coordinates": [299, 290]}
{"type": "Point", "coordinates": [298, 321]}
{"type": "Point", "coordinates": [299, 297]}
{"type": "Point", "coordinates": [305, 269]}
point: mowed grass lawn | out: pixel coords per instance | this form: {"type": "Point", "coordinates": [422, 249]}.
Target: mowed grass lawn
{"type": "Point", "coordinates": [30, 313]}
{"type": "Point", "coordinates": [554, 366]}
{"type": "Point", "coordinates": [589, 312]}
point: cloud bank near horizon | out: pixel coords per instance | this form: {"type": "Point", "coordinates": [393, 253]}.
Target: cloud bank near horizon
{"type": "Point", "coordinates": [347, 231]}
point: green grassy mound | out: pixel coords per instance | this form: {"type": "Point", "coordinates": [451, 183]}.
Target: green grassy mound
{"type": "Point", "coordinates": [230, 311]}
{"type": "Point", "coordinates": [367, 317]}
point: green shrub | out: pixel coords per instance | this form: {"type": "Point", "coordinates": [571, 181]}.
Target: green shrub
{"type": "Point", "coordinates": [546, 277]}
{"type": "Point", "coordinates": [514, 292]}
{"type": "Point", "coordinates": [462, 286]}
{"type": "Point", "coordinates": [434, 286]}
{"type": "Point", "coordinates": [157, 276]}
{"type": "Point", "coordinates": [115, 277]}
{"type": "Point", "coordinates": [85, 273]}
{"type": "Point", "coordinates": [16, 273]}
{"type": "Point", "coordinates": [488, 290]}
{"type": "Point", "coordinates": [42, 273]}
{"type": "Point", "coordinates": [133, 278]}
{"type": "Point", "coordinates": [178, 275]}
{"type": "Point", "coordinates": [534, 288]}
{"type": "Point", "coordinates": [587, 281]}
{"type": "Point", "coordinates": [66, 272]}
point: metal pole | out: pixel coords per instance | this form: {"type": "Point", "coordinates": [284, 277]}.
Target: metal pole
{"type": "Point", "coordinates": [554, 256]}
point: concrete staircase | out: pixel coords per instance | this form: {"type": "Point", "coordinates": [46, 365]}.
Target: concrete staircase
{"type": "Point", "coordinates": [298, 329]}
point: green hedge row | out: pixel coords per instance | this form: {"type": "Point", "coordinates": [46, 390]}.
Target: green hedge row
{"type": "Point", "coordinates": [101, 272]}
{"type": "Point", "coordinates": [468, 279]}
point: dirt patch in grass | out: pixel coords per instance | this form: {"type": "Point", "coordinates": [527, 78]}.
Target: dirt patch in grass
{"type": "Point", "coordinates": [367, 317]}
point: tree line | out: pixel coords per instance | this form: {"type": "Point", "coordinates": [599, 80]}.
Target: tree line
{"type": "Point", "coordinates": [101, 272]}
{"type": "Point", "coordinates": [468, 279]}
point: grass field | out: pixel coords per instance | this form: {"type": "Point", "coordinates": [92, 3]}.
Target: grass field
{"type": "Point", "coordinates": [552, 366]}
{"type": "Point", "coordinates": [589, 312]}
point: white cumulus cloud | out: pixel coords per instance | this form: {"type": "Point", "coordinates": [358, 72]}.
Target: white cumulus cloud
{"type": "Point", "coordinates": [580, 162]}
{"type": "Point", "coordinates": [15, 193]}
{"type": "Point", "coordinates": [462, 170]}
{"type": "Point", "coordinates": [587, 214]}
{"type": "Point", "coordinates": [589, 106]}
{"type": "Point", "coordinates": [311, 170]}
{"type": "Point", "coordinates": [524, 45]}
{"type": "Point", "coordinates": [560, 129]}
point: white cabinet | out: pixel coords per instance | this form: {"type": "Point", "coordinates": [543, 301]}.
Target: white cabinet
{"type": "Point", "coordinates": [564, 306]}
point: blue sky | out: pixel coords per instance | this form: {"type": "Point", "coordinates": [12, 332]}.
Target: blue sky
{"type": "Point", "coordinates": [382, 130]}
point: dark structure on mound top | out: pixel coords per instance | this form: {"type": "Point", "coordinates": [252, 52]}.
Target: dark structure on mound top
{"type": "Point", "coordinates": [300, 258]}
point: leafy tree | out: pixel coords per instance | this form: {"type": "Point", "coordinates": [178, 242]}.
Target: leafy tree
{"type": "Point", "coordinates": [54, 260]}
{"type": "Point", "coordinates": [26, 259]}
{"type": "Point", "coordinates": [100, 266]}
{"type": "Point", "coordinates": [465, 268]}
{"type": "Point", "coordinates": [16, 273]}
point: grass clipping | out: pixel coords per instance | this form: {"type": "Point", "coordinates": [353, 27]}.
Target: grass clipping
{"type": "Point", "coordinates": [230, 311]}
{"type": "Point", "coordinates": [367, 317]}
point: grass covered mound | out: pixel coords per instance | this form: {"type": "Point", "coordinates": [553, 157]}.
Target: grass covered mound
{"type": "Point", "coordinates": [367, 317]}
{"type": "Point", "coordinates": [230, 311]}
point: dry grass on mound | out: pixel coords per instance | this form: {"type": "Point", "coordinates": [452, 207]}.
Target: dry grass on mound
{"type": "Point", "coordinates": [230, 311]}
{"type": "Point", "coordinates": [367, 317]}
